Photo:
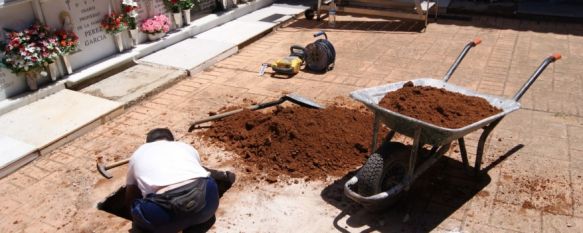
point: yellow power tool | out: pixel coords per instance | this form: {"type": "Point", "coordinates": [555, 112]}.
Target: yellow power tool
{"type": "Point", "coordinates": [289, 65]}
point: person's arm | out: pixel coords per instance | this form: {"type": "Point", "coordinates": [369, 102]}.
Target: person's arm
{"type": "Point", "coordinates": [216, 174]}
{"type": "Point", "coordinates": [132, 193]}
{"type": "Point", "coordinates": [132, 190]}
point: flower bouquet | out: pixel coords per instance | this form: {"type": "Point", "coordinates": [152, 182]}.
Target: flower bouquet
{"type": "Point", "coordinates": [174, 7]}
{"type": "Point", "coordinates": [114, 23]}
{"type": "Point", "coordinates": [156, 27]}
{"type": "Point", "coordinates": [28, 52]}
{"type": "Point", "coordinates": [130, 13]}
{"type": "Point", "coordinates": [186, 5]}
{"type": "Point", "coordinates": [67, 42]}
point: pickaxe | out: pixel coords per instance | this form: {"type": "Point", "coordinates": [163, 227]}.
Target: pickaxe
{"type": "Point", "coordinates": [103, 169]}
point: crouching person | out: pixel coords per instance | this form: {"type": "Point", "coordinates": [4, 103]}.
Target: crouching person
{"type": "Point", "coordinates": [167, 187]}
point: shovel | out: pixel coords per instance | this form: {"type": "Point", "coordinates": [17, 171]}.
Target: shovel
{"type": "Point", "coordinates": [294, 98]}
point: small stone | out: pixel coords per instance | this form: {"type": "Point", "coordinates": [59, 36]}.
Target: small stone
{"type": "Point", "coordinates": [271, 180]}
{"type": "Point", "coordinates": [406, 218]}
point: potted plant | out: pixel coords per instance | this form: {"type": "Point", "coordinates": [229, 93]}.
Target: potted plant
{"type": "Point", "coordinates": [130, 14]}
{"type": "Point", "coordinates": [67, 42]}
{"type": "Point", "coordinates": [28, 52]}
{"type": "Point", "coordinates": [156, 27]}
{"type": "Point", "coordinates": [186, 5]}
{"type": "Point", "coordinates": [114, 24]}
{"type": "Point", "coordinates": [174, 7]}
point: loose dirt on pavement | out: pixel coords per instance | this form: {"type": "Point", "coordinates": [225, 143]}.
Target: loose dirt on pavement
{"type": "Point", "coordinates": [438, 106]}
{"type": "Point", "coordinates": [295, 141]}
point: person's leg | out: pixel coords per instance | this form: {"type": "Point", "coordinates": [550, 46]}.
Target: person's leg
{"type": "Point", "coordinates": [137, 229]}
{"type": "Point", "coordinates": [202, 227]}
{"type": "Point", "coordinates": [148, 215]}
{"type": "Point", "coordinates": [224, 179]}
{"type": "Point", "coordinates": [219, 175]}
{"type": "Point", "coordinates": [199, 220]}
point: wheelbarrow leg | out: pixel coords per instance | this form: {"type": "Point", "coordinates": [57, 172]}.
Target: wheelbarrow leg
{"type": "Point", "coordinates": [375, 131]}
{"type": "Point", "coordinates": [413, 158]}
{"type": "Point", "coordinates": [389, 136]}
{"type": "Point", "coordinates": [464, 153]}
{"type": "Point", "coordinates": [481, 143]}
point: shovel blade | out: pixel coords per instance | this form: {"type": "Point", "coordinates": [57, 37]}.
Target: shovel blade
{"type": "Point", "coordinates": [303, 101]}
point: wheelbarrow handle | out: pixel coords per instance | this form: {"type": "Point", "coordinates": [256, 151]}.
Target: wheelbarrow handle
{"type": "Point", "coordinates": [459, 59]}
{"type": "Point", "coordinates": [229, 113]}
{"type": "Point", "coordinates": [535, 75]}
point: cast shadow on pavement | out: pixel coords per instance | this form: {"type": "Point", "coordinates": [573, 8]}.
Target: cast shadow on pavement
{"type": "Point", "coordinates": [381, 25]}
{"type": "Point", "coordinates": [434, 197]}
{"type": "Point", "coordinates": [515, 24]}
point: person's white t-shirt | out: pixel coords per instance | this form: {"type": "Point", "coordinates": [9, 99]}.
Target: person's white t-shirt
{"type": "Point", "coordinates": [158, 164]}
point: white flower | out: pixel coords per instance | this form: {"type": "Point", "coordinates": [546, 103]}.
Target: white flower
{"type": "Point", "coordinates": [130, 2]}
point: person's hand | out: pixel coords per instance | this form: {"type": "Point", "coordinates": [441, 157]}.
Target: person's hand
{"type": "Point", "coordinates": [231, 176]}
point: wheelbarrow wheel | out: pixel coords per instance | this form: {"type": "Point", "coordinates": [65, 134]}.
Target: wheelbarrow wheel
{"type": "Point", "coordinates": [383, 169]}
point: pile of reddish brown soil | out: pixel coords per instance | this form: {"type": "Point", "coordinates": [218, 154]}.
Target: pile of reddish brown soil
{"type": "Point", "coordinates": [438, 106]}
{"type": "Point", "coordinates": [295, 141]}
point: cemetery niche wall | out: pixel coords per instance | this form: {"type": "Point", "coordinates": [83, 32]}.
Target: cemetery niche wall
{"type": "Point", "coordinates": [14, 17]}
{"type": "Point", "coordinates": [80, 16]}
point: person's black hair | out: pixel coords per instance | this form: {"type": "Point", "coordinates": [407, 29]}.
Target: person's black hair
{"type": "Point", "coordinates": [159, 134]}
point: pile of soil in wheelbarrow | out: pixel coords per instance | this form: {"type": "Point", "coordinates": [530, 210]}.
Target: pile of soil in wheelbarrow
{"type": "Point", "coordinates": [438, 106]}
{"type": "Point", "coordinates": [295, 141]}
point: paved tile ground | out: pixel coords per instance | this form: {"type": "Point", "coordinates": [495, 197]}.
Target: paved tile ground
{"type": "Point", "coordinates": [536, 189]}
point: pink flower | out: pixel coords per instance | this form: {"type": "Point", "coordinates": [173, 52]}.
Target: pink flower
{"type": "Point", "coordinates": [158, 23]}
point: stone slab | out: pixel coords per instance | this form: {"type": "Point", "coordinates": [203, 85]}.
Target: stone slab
{"type": "Point", "coordinates": [99, 68]}
{"type": "Point", "coordinates": [48, 120]}
{"type": "Point", "coordinates": [14, 154]}
{"type": "Point", "coordinates": [236, 32]}
{"type": "Point", "coordinates": [132, 84]}
{"type": "Point", "coordinates": [283, 10]}
{"type": "Point", "coordinates": [188, 53]}
{"type": "Point", "coordinates": [9, 104]}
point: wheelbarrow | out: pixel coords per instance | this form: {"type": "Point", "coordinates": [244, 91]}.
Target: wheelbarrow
{"type": "Point", "coordinates": [384, 176]}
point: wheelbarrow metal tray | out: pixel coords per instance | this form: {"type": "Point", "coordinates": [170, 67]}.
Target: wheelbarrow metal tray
{"type": "Point", "coordinates": [430, 133]}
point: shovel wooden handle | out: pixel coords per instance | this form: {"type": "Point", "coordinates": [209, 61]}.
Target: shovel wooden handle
{"type": "Point", "coordinates": [229, 113]}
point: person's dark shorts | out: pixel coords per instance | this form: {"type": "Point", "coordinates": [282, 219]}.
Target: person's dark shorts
{"type": "Point", "coordinates": [151, 217]}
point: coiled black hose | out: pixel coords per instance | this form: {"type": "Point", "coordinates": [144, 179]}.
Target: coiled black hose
{"type": "Point", "coordinates": [320, 55]}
